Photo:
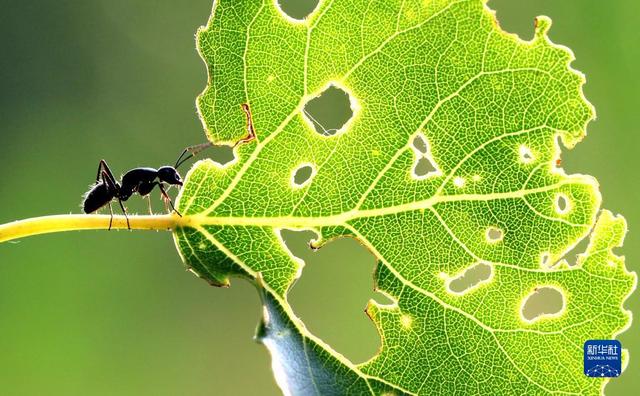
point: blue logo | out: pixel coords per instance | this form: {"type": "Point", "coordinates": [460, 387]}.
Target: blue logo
{"type": "Point", "coordinates": [602, 358]}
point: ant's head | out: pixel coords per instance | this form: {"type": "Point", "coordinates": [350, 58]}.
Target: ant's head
{"type": "Point", "coordinates": [169, 174]}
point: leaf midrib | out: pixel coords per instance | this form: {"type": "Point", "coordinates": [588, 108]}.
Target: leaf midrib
{"type": "Point", "coordinates": [342, 219]}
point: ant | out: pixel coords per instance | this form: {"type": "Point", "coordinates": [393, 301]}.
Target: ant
{"type": "Point", "coordinates": [138, 180]}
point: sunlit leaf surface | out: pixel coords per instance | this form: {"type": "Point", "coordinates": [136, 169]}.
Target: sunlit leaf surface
{"type": "Point", "coordinates": [487, 114]}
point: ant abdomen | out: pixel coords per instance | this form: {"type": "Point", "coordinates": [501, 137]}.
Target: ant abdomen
{"type": "Point", "coordinates": [96, 198]}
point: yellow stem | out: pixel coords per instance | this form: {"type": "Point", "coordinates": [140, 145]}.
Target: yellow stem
{"type": "Point", "coordinates": [74, 222]}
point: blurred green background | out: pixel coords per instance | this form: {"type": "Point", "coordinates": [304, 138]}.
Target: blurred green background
{"type": "Point", "coordinates": [104, 313]}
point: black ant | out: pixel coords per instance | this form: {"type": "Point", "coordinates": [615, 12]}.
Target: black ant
{"type": "Point", "coordinates": [137, 180]}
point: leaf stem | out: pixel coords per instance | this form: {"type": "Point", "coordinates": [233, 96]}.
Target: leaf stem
{"type": "Point", "coordinates": [75, 222]}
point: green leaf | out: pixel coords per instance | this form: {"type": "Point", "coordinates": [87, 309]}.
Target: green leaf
{"type": "Point", "coordinates": [491, 113]}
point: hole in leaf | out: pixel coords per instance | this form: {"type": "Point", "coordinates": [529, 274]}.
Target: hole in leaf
{"type": "Point", "coordinates": [544, 301]}
{"type": "Point", "coordinates": [221, 154]}
{"type": "Point", "coordinates": [297, 9]}
{"type": "Point", "coordinates": [544, 259]}
{"type": "Point", "coordinates": [575, 254]}
{"type": "Point", "coordinates": [580, 250]}
{"type": "Point", "coordinates": [419, 144]}
{"type": "Point", "coordinates": [332, 292]}
{"type": "Point", "coordinates": [494, 234]}
{"type": "Point", "coordinates": [526, 156]}
{"type": "Point", "coordinates": [423, 168]}
{"type": "Point", "coordinates": [563, 205]}
{"type": "Point", "coordinates": [303, 175]}
{"type": "Point", "coordinates": [471, 278]}
{"type": "Point", "coordinates": [329, 112]}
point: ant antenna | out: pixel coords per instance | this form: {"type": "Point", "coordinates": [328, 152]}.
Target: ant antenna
{"type": "Point", "coordinates": [192, 152]}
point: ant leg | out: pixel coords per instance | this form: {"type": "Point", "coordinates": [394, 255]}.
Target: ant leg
{"type": "Point", "coordinates": [102, 165]}
{"type": "Point", "coordinates": [166, 204]}
{"type": "Point", "coordinates": [149, 201]}
{"type": "Point", "coordinates": [144, 188]}
{"type": "Point", "coordinates": [107, 178]}
{"type": "Point", "coordinates": [167, 198]}
{"type": "Point", "coordinates": [105, 172]}
{"type": "Point", "coordinates": [124, 210]}
{"type": "Point", "coordinates": [193, 151]}
{"type": "Point", "coordinates": [110, 219]}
